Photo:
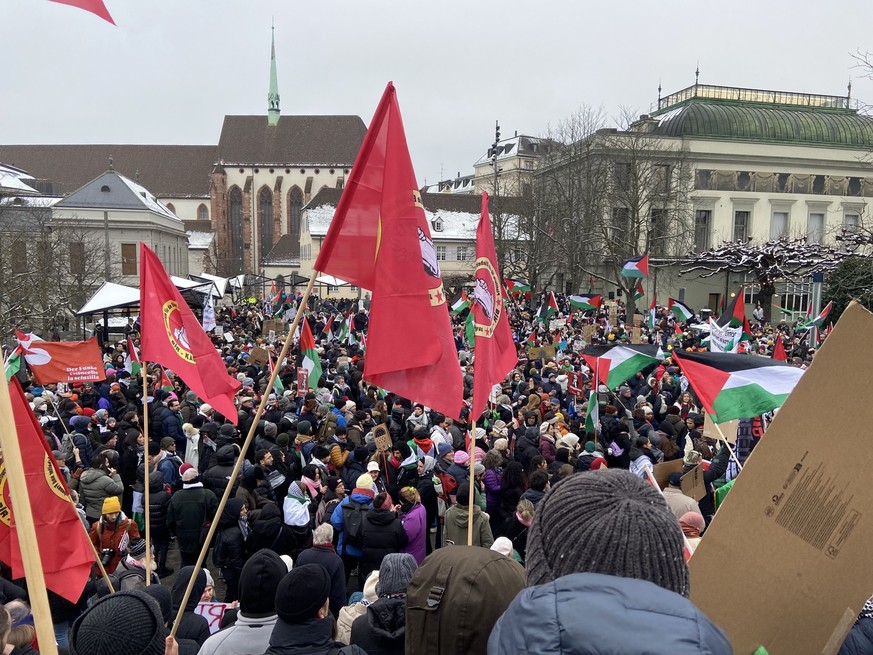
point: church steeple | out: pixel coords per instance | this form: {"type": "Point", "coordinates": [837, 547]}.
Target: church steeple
{"type": "Point", "coordinates": [273, 95]}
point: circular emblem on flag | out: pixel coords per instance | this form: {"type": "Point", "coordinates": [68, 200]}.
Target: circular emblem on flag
{"type": "Point", "coordinates": [486, 294]}
{"type": "Point", "coordinates": [5, 511]}
{"type": "Point", "coordinates": [176, 330]}
{"type": "Point", "coordinates": [51, 478]}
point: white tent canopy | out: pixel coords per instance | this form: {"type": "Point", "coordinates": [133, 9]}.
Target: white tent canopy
{"type": "Point", "coordinates": [221, 283]}
{"type": "Point", "coordinates": [331, 280]}
{"type": "Point", "coordinates": [111, 296]}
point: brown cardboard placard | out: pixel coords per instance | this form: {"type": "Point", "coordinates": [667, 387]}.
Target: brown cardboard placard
{"type": "Point", "coordinates": [693, 485]}
{"type": "Point", "coordinates": [258, 356]}
{"type": "Point", "coordinates": [728, 429]}
{"type": "Point", "coordinates": [661, 472]}
{"type": "Point", "coordinates": [541, 352]}
{"type": "Point", "coordinates": [613, 314]}
{"type": "Point", "coordinates": [588, 332]}
{"type": "Point", "coordinates": [382, 438]}
{"type": "Point", "coordinates": [636, 334]}
{"type": "Point", "coordinates": [781, 564]}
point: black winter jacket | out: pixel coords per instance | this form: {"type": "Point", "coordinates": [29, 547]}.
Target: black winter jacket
{"type": "Point", "coordinates": [312, 637]}
{"type": "Point", "coordinates": [333, 564]}
{"type": "Point", "coordinates": [382, 630]}
{"type": "Point", "coordinates": [216, 477]}
{"type": "Point", "coordinates": [383, 534]}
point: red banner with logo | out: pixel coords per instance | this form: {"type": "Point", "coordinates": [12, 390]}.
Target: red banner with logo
{"type": "Point", "coordinates": [62, 361]}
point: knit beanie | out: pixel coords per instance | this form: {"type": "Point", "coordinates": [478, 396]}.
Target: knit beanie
{"type": "Point", "coordinates": [144, 631]}
{"type": "Point", "coordinates": [283, 439]}
{"type": "Point", "coordinates": [395, 573]}
{"type": "Point", "coordinates": [364, 481]}
{"type": "Point", "coordinates": [501, 444]}
{"type": "Point", "coordinates": [137, 548]}
{"type": "Point", "coordinates": [295, 607]}
{"type": "Point", "coordinates": [258, 580]}
{"type": "Point", "coordinates": [610, 522]}
{"type": "Point", "coordinates": [304, 427]}
{"type": "Point", "coordinates": [164, 598]}
{"type": "Point", "coordinates": [461, 457]}
{"type": "Point", "coordinates": [270, 430]}
{"type": "Point", "coordinates": [589, 447]}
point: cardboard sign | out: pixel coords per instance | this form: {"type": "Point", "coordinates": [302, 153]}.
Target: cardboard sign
{"type": "Point", "coordinates": [302, 382]}
{"type": "Point", "coordinates": [213, 613]}
{"type": "Point", "coordinates": [228, 337]}
{"type": "Point", "coordinates": [693, 485]}
{"type": "Point", "coordinates": [588, 332]}
{"type": "Point", "coordinates": [661, 472]}
{"type": "Point", "coordinates": [574, 384]}
{"type": "Point", "coordinates": [578, 345]}
{"type": "Point", "coordinates": [782, 564]}
{"type": "Point", "coordinates": [258, 356]}
{"type": "Point", "coordinates": [541, 352]}
{"type": "Point", "coordinates": [636, 334]}
{"type": "Point", "coordinates": [273, 325]}
{"type": "Point", "coordinates": [728, 429]}
{"type": "Point", "coordinates": [218, 330]}
{"type": "Point", "coordinates": [382, 438]}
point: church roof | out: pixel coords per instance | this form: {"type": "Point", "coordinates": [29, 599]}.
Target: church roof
{"type": "Point", "coordinates": [286, 252]}
{"type": "Point", "coordinates": [713, 112]}
{"type": "Point", "coordinates": [112, 190]}
{"type": "Point", "coordinates": [295, 140]}
{"type": "Point", "coordinates": [167, 170]}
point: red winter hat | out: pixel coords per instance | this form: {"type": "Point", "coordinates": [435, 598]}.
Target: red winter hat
{"type": "Point", "coordinates": [185, 467]}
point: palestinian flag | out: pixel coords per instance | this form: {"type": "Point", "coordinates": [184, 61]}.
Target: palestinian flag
{"type": "Point", "coordinates": [363, 343]}
{"type": "Point", "coordinates": [345, 328]}
{"type": "Point", "coordinates": [470, 330]}
{"type": "Point", "coordinates": [818, 321]}
{"type": "Point", "coordinates": [278, 387]}
{"type": "Point", "coordinates": [131, 362]}
{"type": "Point", "coordinates": [638, 291]}
{"type": "Point", "coordinates": [732, 386]}
{"type": "Point", "coordinates": [681, 310]}
{"type": "Point", "coordinates": [13, 364]}
{"type": "Point", "coordinates": [592, 416]}
{"type": "Point", "coordinates": [636, 267]}
{"type": "Point", "coordinates": [619, 364]}
{"type": "Point", "coordinates": [787, 312]}
{"type": "Point", "coordinates": [328, 329]}
{"type": "Point", "coordinates": [516, 286]}
{"type": "Point", "coordinates": [532, 338]}
{"type": "Point", "coordinates": [460, 302]}
{"type": "Point", "coordinates": [547, 309]}
{"type": "Point", "coordinates": [652, 312]}
{"type": "Point", "coordinates": [735, 313]}
{"type": "Point", "coordinates": [586, 303]}
{"type": "Point", "coordinates": [166, 385]}
{"type": "Point", "coordinates": [308, 357]}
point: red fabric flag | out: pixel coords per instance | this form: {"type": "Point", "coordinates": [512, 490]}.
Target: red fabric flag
{"type": "Point", "coordinates": [379, 239]}
{"type": "Point", "coordinates": [172, 336]}
{"type": "Point", "coordinates": [495, 349]}
{"type": "Point", "coordinates": [66, 556]}
{"type": "Point", "coordinates": [779, 350]}
{"type": "Point", "coordinates": [62, 361]}
{"type": "Point", "coordinates": [94, 6]}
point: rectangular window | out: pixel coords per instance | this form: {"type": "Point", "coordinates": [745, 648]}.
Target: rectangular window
{"type": "Point", "coordinates": [128, 259]}
{"type": "Point", "coordinates": [77, 258]}
{"type": "Point", "coordinates": [441, 253]}
{"type": "Point", "coordinates": [851, 222]}
{"type": "Point", "coordinates": [461, 254]}
{"type": "Point", "coordinates": [741, 226]}
{"type": "Point", "coordinates": [622, 175]}
{"type": "Point", "coordinates": [620, 223]}
{"type": "Point", "coordinates": [19, 258]}
{"type": "Point", "coordinates": [815, 228]}
{"type": "Point", "coordinates": [658, 231]}
{"type": "Point", "coordinates": [779, 225]}
{"type": "Point", "coordinates": [701, 229]}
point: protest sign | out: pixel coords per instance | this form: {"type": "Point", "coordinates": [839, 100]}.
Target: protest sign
{"type": "Point", "coordinates": [661, 472]}
{"type": "Point", "coordinates": [213, 613]}
{"type": "Point", "coordinates": [728, 429]}
{"type": "Point", "coordinates": [588, 332]}
{"type": "Point", "coordinates": [302, 382]}
{"type": "Point", "coordinates": [692, 483]}
{"type": "Point", "coordinates": [274, 325]}
{"type": "Point", "coordinates": [228, 337]}
{"type": "Point", "coordinates": [258, 356]}
{"type": "Point", "coordinates": [636, 334]}
{"type": "Point", "coordinates": [382, 438]}
{"type": "Point", "coordinates": [724, 339]}
{"type": "Point", "coordinates": [781, 565]}
{"type": "Point", "coordinates": [541, 352]}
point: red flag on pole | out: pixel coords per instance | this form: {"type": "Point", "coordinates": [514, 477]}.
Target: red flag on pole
{"type": "Point", "coordinates": [62, 361]}
{"type": "Point", "coordinates": [172, 336]}
{"type": "Point", "coordinates": [94, 6]}
{"type": "Point", "coordinates": [779, 350]}
{"type": "Point", "coordinates": [66, 556]}
{"type": "Point", "coordinates": [379, 240]}
{"type": "Point", "coordinates": [495, 349]}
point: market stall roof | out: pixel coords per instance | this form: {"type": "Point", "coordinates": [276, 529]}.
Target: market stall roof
{"type": "Point", "coordinates": [221, 283]}
{"type": "Point", "coordinates": [112, 296]}
{"type": "Point", "coordinates": [331, 280]}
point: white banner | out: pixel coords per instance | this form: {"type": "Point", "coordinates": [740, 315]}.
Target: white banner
{"type": "Point", "coordinates": [724, 339]}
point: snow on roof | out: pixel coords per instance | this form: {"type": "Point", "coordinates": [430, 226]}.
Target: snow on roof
{"type": "Point", "coordinates": [147, 198]}
{"type": "Point", "coordinates": [200, 240]}
{"type": "Point", "coordinates": [512, 147]}
{"type": "Point", "coordinates": [29, 201]}
{"type": "Point", "coordinates": [444, 225]}
{"type": "Point", "coordinates": [11, 179]}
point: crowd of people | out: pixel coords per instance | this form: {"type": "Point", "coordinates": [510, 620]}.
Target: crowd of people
{"type": "Point", "coordinates": [329, 544]}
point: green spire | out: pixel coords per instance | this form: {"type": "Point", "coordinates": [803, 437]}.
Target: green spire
{"type": "Point", "coordinates": [273, 95]}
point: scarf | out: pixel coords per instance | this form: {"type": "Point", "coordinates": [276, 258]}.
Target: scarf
{"type": "Point", "coordinates": [312, 485]}
{"type": "Point", "coordinates": [364, 492]}
{"type": "Point", "coordinates": [691, 528]}
{"type": "Point", "coordinates": [426, 444]}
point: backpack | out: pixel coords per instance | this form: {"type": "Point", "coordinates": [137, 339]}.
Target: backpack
{"type": "Point", "coordinates": [353, 518]}
{"type": "Point", "coordinates": [67, 447]}
{"type": "Point", "coordinates": [451, 585]}
{"type": "Point", "coordinates": [328, 428]}
{"type": "Point", "coordinates": [448, 484]}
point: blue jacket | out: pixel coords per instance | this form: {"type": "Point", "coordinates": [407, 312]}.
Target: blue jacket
{"type": "Point", "coordinates": [594, 614]}
{"type": "Point", "coordinates": [338, 521]}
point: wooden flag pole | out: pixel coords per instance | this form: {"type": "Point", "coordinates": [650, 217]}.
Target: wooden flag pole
{"type": "Point", "coordinates": [24, 527]}
{"type": "Point", "coordinates": [97, 559]}
{"type": "Point", "coordinates": [725, 441]}
{"type": "Point", "coordinates": [146, 462]}
{"type": "Point", "coordinates": [245, 447]}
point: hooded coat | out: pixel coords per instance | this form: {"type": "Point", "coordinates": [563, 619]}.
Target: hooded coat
{"type": "Point", "coordinates": [383, 534]}
{"type": "Point", "coordinates": [229, 545]}
{"type": "Point", "coordinates": [216, 477]}
{"type": "Point", "coordinates": [191, 626]}
{"type": "Point", "coordinates": [94, 486]}
{"type": "Point", "coordinates": [594, 614]}
{"type": "Point", "coordinates": [382, 630]}
{"type": "Point", "coordinates": [457, 520]}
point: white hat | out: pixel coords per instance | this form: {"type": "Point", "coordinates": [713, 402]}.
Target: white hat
{"type": "Point", "coordinates": [503, 546]}
{"type": "Point", "coordinates": [372, 466]}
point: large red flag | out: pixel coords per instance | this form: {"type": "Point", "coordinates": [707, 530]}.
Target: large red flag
{"type": "Point", "coordinates": [172, 336]}
{"type": "Point", "coordinates": [495, 349]}
{"type": "Point", "coordinates": [63, 543]}
{"type": "Point", "coordinates": [62, 361]}
{"type": "Point", "coordinates": [779, 350]}
{"type": "Point", "coordinates": [94, 6]}
{"type": "Point", "coordinates": [379, 239]}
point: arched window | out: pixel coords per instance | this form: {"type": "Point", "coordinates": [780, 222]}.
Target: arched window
{"type": "Point", "coordinates": [170, 207]}
{"type": "Point", "coordinates": [265, 222]}
{"type": "Point", "coordinates": [202, 212]}
{"type": "Point", "coordinates": [236, 231]}
{"type": "Point", "coordinates": [295, 208]}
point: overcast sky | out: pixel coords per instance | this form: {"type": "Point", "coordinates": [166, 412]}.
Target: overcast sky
{"type": "Point", "coordinates": [172, 69]}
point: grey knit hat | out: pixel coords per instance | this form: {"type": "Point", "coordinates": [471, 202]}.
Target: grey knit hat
{"type": "Point", "coordinates": [395, 573]}
{"type": "Point", "coordinates": [144, 630]}
{"type": "Point", "coordinates": [608, 522]}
